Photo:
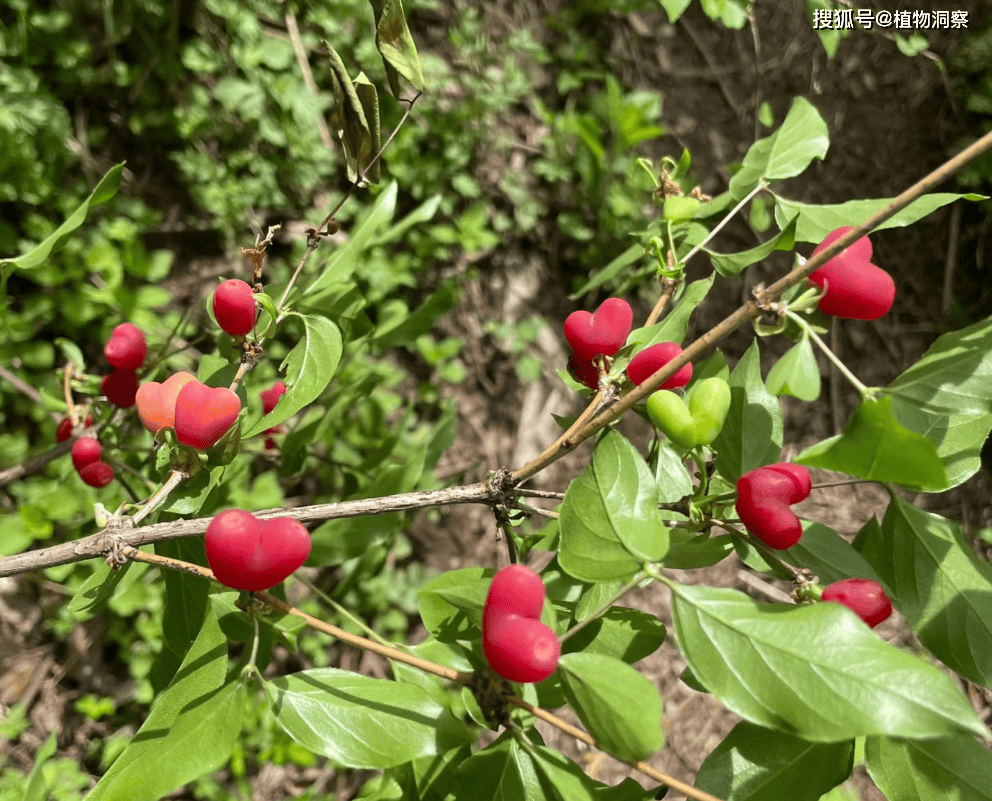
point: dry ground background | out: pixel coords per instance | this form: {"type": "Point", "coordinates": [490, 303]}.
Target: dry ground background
{"type": "Point", "coordinates": [891, 120]}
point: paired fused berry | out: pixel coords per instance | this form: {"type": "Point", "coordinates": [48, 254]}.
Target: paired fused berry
{"type": "Point", "coordinates": [855, 288]}
{"type": "Point", "coordinates": [763, 499]}
{"type": "Point", "coordinates": [700, 422]}
{"type": "Point", "coordinates": [246, 553]}
{"type": "Point", "coordinates": [517, 645]}
{"type": "Point", "coordinates": [86, 453]}
{"type": "Point", "coordinates": [156, 401]}
{"type": "Point", "coordinates": [235, 307]}
{"type": "Point", "coordinates": [650, 360]}
{"type": "Point", "coordinates": [603, 332]}
{"type": "Point", "coordinates": [864, 597]}
{"type": "Point", "coordinates": [204, 414]}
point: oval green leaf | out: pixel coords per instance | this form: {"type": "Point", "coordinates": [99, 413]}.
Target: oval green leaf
{"type": "Point", "coordinates": [757, 764]}
{"type": "Point", "coordinates": [817, 672]}
{"type": "Point", "coordinates": [620, 707]}
{"type": "Point", "coordinates": [361, 722]}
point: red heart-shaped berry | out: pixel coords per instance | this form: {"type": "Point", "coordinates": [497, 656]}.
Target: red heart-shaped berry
{"type": "Point", "coordinates": [120, 387]}
{"type": "Point", "coordinates": [650, 360]}
{"type": "Point", "coordinates": [763, 499]}
{"type": "Point", "coordinates": [126, 349]}
{"type": "Point", "coordinates": [157, 402]}
{"type": "Point", "coordinates": [204, 414]}
{"type": "Point", "coordinates": [518, 646]}
{"type": "Point", "coordinates": [246, 553]}
{"type": "Point", "coordinates": [855, 288]}
{"type": "Point", "coordinates": [521, 649]}
{"type": "Point", "coordinates": [604, 332]}
{"type": "Point", "coordinates": [864, 597]}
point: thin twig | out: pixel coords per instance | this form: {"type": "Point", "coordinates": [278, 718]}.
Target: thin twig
{"type": "Point", "coordinates": [301, 59]}
{"type": "Point", "coordinates": [126, 533]}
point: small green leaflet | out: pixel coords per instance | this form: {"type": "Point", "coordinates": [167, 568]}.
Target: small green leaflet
{"type": "Point", "coordinates": [309, 369]}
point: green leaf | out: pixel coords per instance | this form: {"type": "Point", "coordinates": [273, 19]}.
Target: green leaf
{"type": "Point", "coordinates": [346, 258]}
{"type": "Point", "coordinates": [367, 96]}
{"type": "Point", "coordinates": [361, 722]}
{"type": "Point", "coordinates": [191, 697]}
{"type": "Point", "coordinates": [911, 46]}
{"type": "Point", "coordinates": [949, 769]}
{"type": "Point", "coordinates": [829, 37]}
{"type": "Point", "coordinates": [609, 519]}
{"type": "Point", "coordinates": [348, 117]}
{"type": "Point", "coordinates": [817, 672]}
{"type": "Point", "coordinates": [796, 373]}
{"type": "Point", "coordinates": [38, 789]}
{"type": "Point", "coordinates": [671, 477]}
{"type": "Point", "coordinates": [622, 633]}
{"type": "Point", "coordinates": [875, 446]}
{"type": "Point", "coordinates": [104, 191]}
{"type": "Point", "coordinates": [815, 222]}
{"type": "Point", "coordinates": [679, 208]}
{"type": "Point", "coordinates": [801, 138]}
{"type": "Point", "coordinates": [758, 764]}
{"type": "Point", "coordinates": [185, 595]}
{"type": "Point", "coordinates": [730, 265]}
{"type": "Point", "coordinates": [432, 778]}
{"type": "Point", "coordinates": [423, 213]}
{"type": "Point", "coordinates": [501, 772]}
{"type": "Point", "coordinates": [395, 44]}
{"type": "Point", "coordinates": [732, 13]}
{"type": "Point", "coordinates": [620, 707]}
{"type": "Point", "coordinates": [404, 330]}
{"type": "Point", "coordinates": [942, 588]}
{"type": "Point", "coordinates": [830, 556]}
{"type": "Point", "coordinates": [676, 322]}
{"type": "Point", "coordinates": [309, 368]}
{"type": "Point", "coordinates": [675, 8]}
{"type": "Point", "coordinates": [563, 780]}
{"type": "Point", "coordinates": [595, 596]}
{"type": "Point", "coordinates": [947, 396]}
{"type": "Point", "coordinates": [690, 553]}
{"type": "Point", "coordinates": [100, 586]}
{"type": "Point", "coordinates": [752, 433]}
{"type": "Point", "coordinates": [610, 271]}
{"type": "Point", "coordinates": [451, 604]}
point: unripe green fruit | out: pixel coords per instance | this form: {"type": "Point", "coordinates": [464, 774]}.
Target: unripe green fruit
{"type": "Point", "coordinates": [700, 422]}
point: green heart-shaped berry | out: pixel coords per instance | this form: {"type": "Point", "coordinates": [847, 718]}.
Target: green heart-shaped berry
{"type": "Point", "coordinates": [695, 424]}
